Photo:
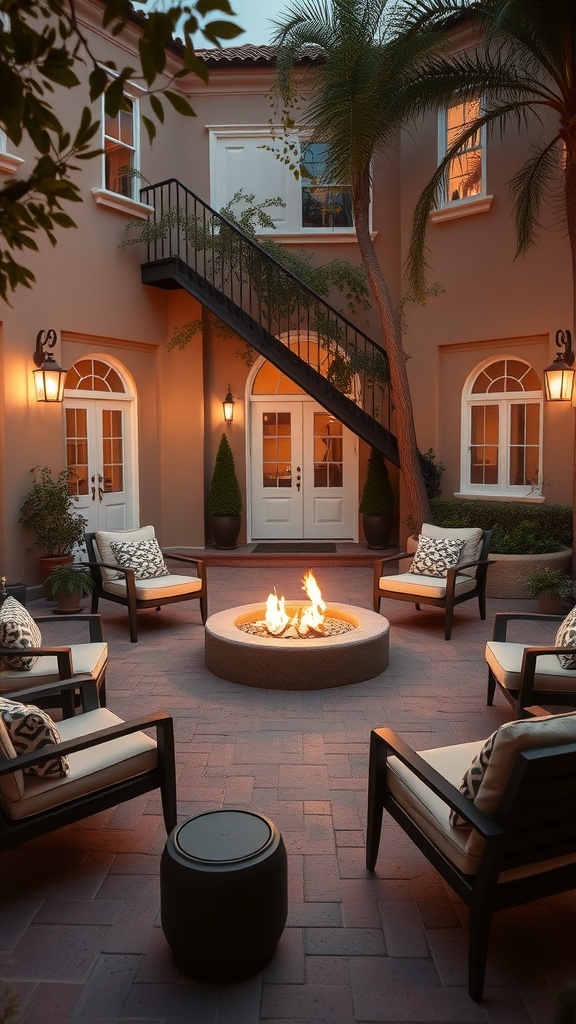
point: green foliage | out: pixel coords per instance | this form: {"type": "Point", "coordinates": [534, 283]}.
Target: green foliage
{"type": "Point", "coordinates": [377, 497]}
{"type": "Point", "coordinates": [65, 580]}
{"type": "Point", "coordinates": [432, 473]}
{"type": "Point", "coordinates": [224, 498]}
{"type": "Point", "coordinates": [42, 50]}
{"type": "Point", "coordinates": [518, 528]}
{"type": "Point", "coordinates": [48, 511]}
{"type": "Point", "coordinates": [550, 581]}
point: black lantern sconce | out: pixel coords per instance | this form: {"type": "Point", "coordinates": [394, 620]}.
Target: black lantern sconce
{"type": "Point", "coordinates": [49, 378]}
{"type": "Point", "coordinates": [559, 376]}
{"type": "Point", "coordinates": [228, 407]}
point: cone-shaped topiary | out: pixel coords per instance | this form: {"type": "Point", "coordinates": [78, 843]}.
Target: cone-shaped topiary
{"type": "Point", "coordinates": [224, 498]}
{"type": "Point", "coordinates": [377, 496]}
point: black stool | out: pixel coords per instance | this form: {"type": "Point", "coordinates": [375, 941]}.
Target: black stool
{"type": "Point", "coordinates": [224, 894]}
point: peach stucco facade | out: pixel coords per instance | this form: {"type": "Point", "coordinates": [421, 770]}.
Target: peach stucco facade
{"type": "Point", "coordinates": [89, 290]}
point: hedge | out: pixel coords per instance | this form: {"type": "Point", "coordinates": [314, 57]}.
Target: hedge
{"type": "Point", "coordinates": [518, 528]}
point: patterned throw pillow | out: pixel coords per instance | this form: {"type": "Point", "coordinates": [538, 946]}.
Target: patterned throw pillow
{"type": "Point", "coordinates": [143, 556]}
{"type": "Point", "coordinates": [566, 637]}
{"type": "Point", "coordinates": [435, 555]}
{"type": "Point", "coordinates": [18, 630]}
{"type": "Point", "coordinates": [31, 729]}
{"type": "Point", "coordinates": [470, 782]}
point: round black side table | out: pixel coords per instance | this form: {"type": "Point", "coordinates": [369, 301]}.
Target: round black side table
{"type": "Point", "coordinates": [224, 894]}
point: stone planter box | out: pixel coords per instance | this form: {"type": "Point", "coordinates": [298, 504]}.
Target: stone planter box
{"type": "Point", "coordinates": [506, 579]}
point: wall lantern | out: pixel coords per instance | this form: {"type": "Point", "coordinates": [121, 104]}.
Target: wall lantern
{"type": "Point", "coordinates": [559, 376]}
{"type": "Point", "coordinates": [49, 378]}
{"type": "Point", "coordinates": [228, 407]}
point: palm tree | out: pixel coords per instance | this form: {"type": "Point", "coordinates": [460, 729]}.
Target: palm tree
{"type": "Point", "coordinates": [362, 65]}
{"type": "Point", "coordinates": [525, 66]}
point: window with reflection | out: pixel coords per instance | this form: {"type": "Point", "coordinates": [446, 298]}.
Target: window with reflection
{"type": "Point", "coordinates": [327, 451]}
{"type": "Point", "coordinates": [503, 434]}
{"type": "Point", "coordinates": [324, 204]}
{"type": "Point", "coordinates": [276, 449]}
{"type": "Point", "coordinates": [466, 174]}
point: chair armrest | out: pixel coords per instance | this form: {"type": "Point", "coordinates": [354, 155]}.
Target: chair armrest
{"type": "Point", "coordinates": [380, 562]}
{"type": "Point", "coordinates": [501, 620]}
{"type": "Point", "coordinates": [183, 558]}
{"type": "Point", "coordinates": [94, 623]}
{"type": "Point", "coordinates": [528, 672]}
{"type": "Point", "coordinates": [471, 565]}
{"type": "Point", "coordinates": [63, 656]}
{"type": "Point", "coordinates": [86, 684]}
{"type": "Point", "coordinates": [448, 793]}
{"type": "Point", "coordinates": [160, 721]}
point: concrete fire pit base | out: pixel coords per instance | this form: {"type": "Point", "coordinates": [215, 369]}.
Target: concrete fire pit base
{"type": "Point", "coordinates": [286, 664]}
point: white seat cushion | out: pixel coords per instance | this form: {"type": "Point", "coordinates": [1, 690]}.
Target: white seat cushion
{"type": "Point", "coordinates": [87, 659]}
{"type": "Point", "coordinates": [505, 660]}
{"type": "Point", "coordinates": [423, 586]}
{"type": "Point", "coordinates": [90, 770]}
{"type": "Point", "coordinates": [157, 587]}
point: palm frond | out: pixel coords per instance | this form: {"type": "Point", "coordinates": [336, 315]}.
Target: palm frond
{"type": "Point", "coordinates": [528, 187]}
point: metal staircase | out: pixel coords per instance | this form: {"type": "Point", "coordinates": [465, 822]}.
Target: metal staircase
{"type": "Point", "coordinates": [191, 246]}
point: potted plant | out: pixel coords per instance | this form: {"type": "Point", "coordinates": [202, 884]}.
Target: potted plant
{"type": "Point", "coordinates": [377, 502]}
{"type": "Point", "coordinates": [224, 498]}
{"type": "Point", "coordinates": [67, 584]}
{"type": "Point", "coordinates": [551, 587]}
{"type": "Point", "coordinates": [48, 512]}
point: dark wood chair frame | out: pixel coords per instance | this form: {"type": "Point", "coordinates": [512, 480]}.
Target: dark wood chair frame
{"type": "Point", "coordinates": [131, 600]}
{"type": "Point", "coordinates": [163, 776]}
{"type": "Point", "coordinates": [528, 693]}
{"type": "Point", "coordinates": [451, 599]}
{"type": "Point", "coordinates": [534, 822]}
{"type": "Point", "coordinates": [63, 656]}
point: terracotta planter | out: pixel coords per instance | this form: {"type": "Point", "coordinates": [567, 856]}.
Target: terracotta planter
{"type": "Point", "coordinates": [507, 578]}
{"type": "Point", "coordinates": [225, 530]}
{"type": "Point", "coordinates": [549, 604]}
{"type": "Point", "coordinates": [68, 604]}
{"type": "Point", "coordinates": [47, 564]}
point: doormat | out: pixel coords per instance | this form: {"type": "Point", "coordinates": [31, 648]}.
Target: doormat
{"type": "Point", "coordinates": [295, 549]}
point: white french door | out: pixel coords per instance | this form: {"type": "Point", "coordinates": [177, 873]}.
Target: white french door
{"type": "Point", "coordinates": [304, 482]}
{"type": "Point", "coordinates": [98, 449]}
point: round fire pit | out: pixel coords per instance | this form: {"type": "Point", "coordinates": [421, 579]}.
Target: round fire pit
{"type": "Point", "coordinates": [284, 663]}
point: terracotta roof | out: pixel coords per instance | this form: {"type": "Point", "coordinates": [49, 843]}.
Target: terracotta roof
{"type": "Point", "coordinates": [250, 54]}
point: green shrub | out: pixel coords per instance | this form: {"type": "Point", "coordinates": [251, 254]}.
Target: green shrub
{"type": "Point", "coordinates": [224, 497]}
{"type": "Point", "coordinates": [377, 497]}
{"type": "Point", "coordinates": [518, 528]}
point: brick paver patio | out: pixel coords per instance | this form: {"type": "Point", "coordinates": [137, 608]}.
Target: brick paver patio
{"type": "Point", "coordinates": [80, 935]}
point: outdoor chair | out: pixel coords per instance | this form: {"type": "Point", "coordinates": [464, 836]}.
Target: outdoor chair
{"type": "Point", "coordinates": [514, 836]}
{"type": "Point", "coordinates": [440, 574]}
{"type": "Point", "coordinates": [109, 761]}
{"type": "Point", "coordinates": [128, 568]}
{"type": "Point", "coordinates": [529, 674]}
{"type": "Point", "coordinates": [58, 661]}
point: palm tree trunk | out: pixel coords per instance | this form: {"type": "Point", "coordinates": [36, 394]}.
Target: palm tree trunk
{"type": "Point", "coordinates": [418, 504]}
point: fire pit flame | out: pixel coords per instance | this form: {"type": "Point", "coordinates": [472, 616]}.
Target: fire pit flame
{"type": "Point", "coordinates": [307, 620]}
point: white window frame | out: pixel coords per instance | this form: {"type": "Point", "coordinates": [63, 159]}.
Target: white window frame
{"type": "Point", "coordinates": [116, 200]}
{"type": "Point", "coordinates": [134, 149]}
{"type": "Point", "coordinates": [480, 202]}
{"type": "Point", "coordinates": [504, 402]}
{"type": "Point", "coordinates": [293, 232]}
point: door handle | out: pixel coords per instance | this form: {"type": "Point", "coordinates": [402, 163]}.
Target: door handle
{"type": "Point", "coordinates": [298, 478]}
{"type": "Point", "coordinates": [93, 487]}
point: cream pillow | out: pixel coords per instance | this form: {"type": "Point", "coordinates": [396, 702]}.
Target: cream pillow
{"type": "Point", "coordinates": [471, 535]}
{"type": "Point", "coordinates": [104, 540]}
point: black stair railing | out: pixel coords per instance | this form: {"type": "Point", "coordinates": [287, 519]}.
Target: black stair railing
{"type": "Point", "coordinates": [192, 246]}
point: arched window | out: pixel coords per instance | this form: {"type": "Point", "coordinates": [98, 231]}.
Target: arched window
{"type": "Point", "coordinates": [502, 429]}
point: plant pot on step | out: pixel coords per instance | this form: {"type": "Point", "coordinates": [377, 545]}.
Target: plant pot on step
{"type": "Point", "coordinates": [224, 498]}
{"type": "Point", "coordinates": [225, 530]}
{"type": "Point", "coordinates": [377, 530]}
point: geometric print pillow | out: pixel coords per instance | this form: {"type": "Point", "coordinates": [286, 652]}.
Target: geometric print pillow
{"type": "Point", "coordinates": [470, 782]}
{"type": "Point", "coordinates": [566, 637]}
{"type": "Point", "coordinates": [143, 556]}
{"type": "Point", "coordinates": [31, 729]}
{"type": "Point", "coordinates": [18, 630]}
{"type": "Point", "coordinates": [435, 555]}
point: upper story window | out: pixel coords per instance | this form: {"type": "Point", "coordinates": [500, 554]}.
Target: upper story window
{"type": "Point", "coordinates": [121, 149]}
{"type": "Point", "coordinates": [466, 178]}
{"type": "Point", "coordinates": [244, 158]}
{"type": "Point", "coordinates": [324, 205]}
{"type": "Point", "coordinates": [502, 430]}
